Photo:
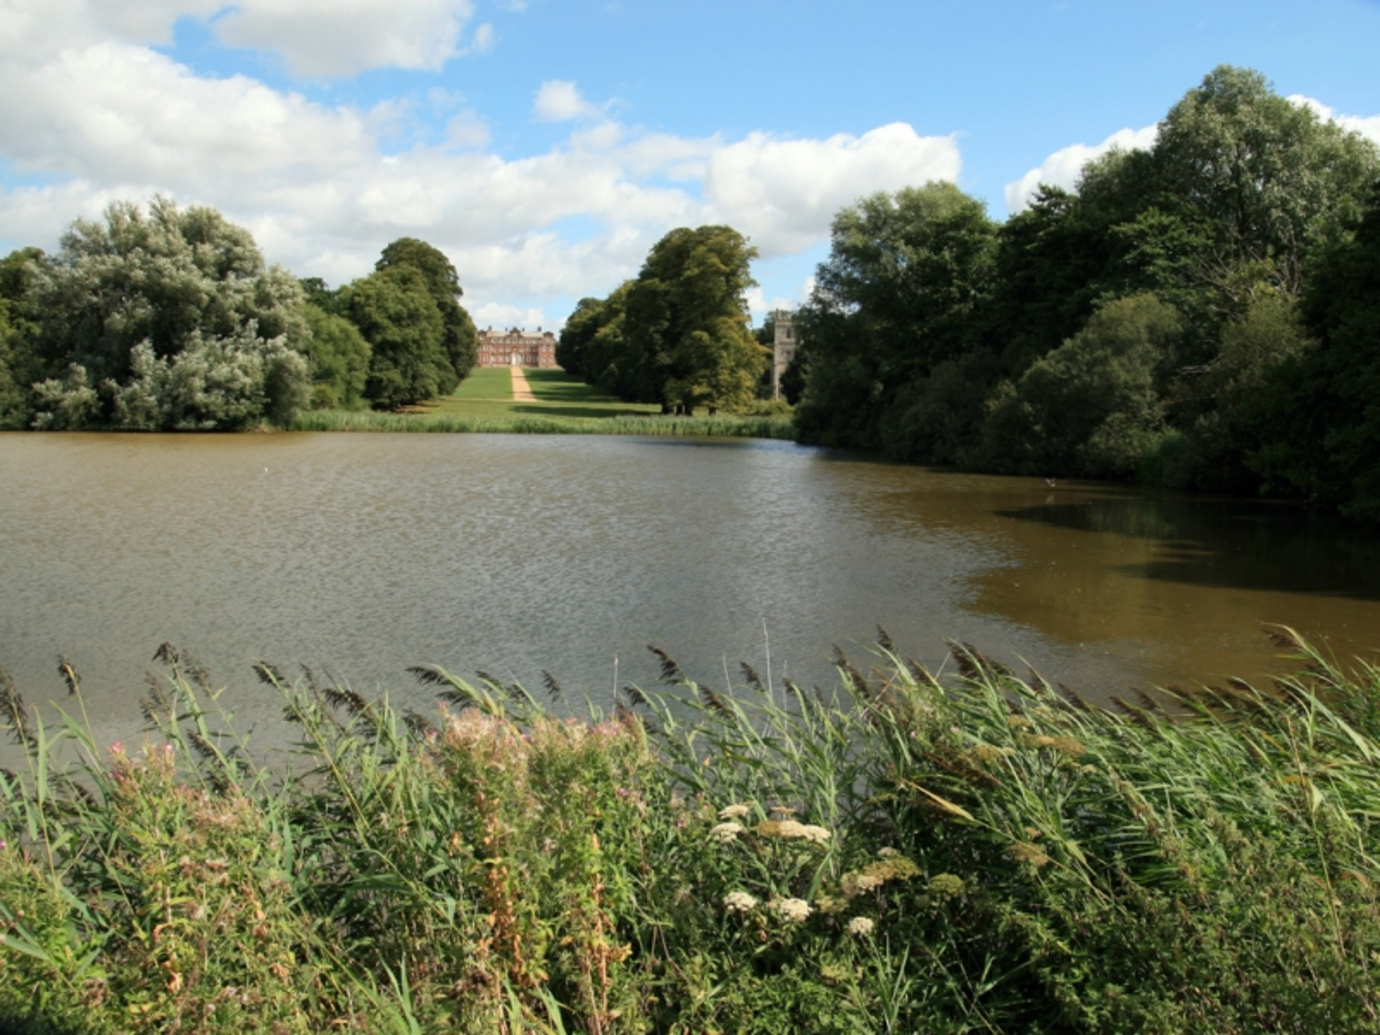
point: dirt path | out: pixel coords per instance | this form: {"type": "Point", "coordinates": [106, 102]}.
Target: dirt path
{"type": "Point", "coordinates": [522, 391]}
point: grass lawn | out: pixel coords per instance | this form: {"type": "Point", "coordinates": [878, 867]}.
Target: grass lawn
{"type": "Point", "coordinates": [488, 392]}
{"type": "Point", "coordinates": [562, 405]}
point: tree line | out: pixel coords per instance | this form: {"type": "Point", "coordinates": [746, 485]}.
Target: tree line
{"type": "Point", "coordinates": [1202, 314]}
{"type": "Point", "coordinates": [169, 319]}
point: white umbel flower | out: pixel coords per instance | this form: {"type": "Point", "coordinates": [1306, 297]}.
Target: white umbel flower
{"type": "Point", "coordinates": [739, 902]}
{"type": "Point", "coordinates": [792, 910]}
{"type": "Point", "coordinates": [726, 832]}
{"type": "Point", "coordinates": [860, 926]}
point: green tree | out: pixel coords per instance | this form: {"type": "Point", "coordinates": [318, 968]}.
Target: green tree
{"type": "Point", "coordinates": [339, 360]}
{"type": "Point", "coordinates": [906, 274]}
{"type": "Point", "coordinates": [19, 326]}
{"type": "Point", "coordinates": [1319, 421]}
{"type": "Point", "coordinates": [1268, 177]}
{"type": "Point", "coordinates": [461, 340]}
{"type": "Point", "coordinates": [685, 323]}
{"type": "Point", "coordinates": [1093, 407]}
{"type": "Point", "coordinates": [396, 312]}
{"type": "Point", "coordinates": [171, 279]}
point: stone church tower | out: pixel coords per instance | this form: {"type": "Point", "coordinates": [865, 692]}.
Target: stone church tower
{"type": "Point", "coordinates": [783, 350]}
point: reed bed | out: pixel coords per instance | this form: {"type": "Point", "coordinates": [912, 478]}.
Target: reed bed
{"type": "Point", "coordinates": [721, 425]}
{"type": "Point", "coordinates": [902, 853]}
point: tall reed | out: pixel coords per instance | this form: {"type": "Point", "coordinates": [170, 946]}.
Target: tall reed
{"type": "Point", "coordinates": [902, 853]}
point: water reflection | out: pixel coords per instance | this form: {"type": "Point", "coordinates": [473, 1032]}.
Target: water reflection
{"type": "Point", "coordinates": [1228, 543]}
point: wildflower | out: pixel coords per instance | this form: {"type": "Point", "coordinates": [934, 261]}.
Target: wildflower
{"type": "Point", "coordinates": [1018, 722]}
{"type": "Point", "coordinates": [739, 902]}
{"type": "Point", "coordinates": [733, 811]}
{"type": "Point", "coordinates": [945, 885]}
{"type": "Point", "coordinates": [792, 910]}
{"type": "Point", "coordinates": [726, 832]}
{"type": "Point", "coordinates": [1023, 851]}
{"type": "Point", "coordinates": [860, 926]}
{"type": "Point", "coordinates": [887, 853]}
{"type": "Point", "coordinates": [782, 810]}
{"type": "Point", "coordinates": [855, 884]}
{"type": "Point", "coordinates": [829, 905]}
{"type": "Point", "coordinates": [790, 830]}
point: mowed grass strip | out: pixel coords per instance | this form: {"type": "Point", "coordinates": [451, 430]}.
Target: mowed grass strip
{"type": "Point", "coordinates": [563, 405]}
{"type": "Point", "coordinates": [488, 393]}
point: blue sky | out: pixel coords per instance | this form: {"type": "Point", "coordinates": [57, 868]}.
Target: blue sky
{"type": "Point", "coordinates": [545, 145]}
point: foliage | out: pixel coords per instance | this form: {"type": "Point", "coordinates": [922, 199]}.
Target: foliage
{"type": "Point", "coordinates": [1089, 407]}
{"type": "Point", "coordinates": [396, 312]}
{"type": "Point", "coordinates": [685, 322]}
{"type": "Point", "coordinates": [905, 275]}
{"type": "Point", "coordinates": [19, 326]}
{"type": "Point", "coordinates": [339, 360]}
{"type": "Point", "coordinates": [461, 341]}
{"type": "Point", "coordinates": [1319, 428]}
{"type": "Point", "coordinates": [903, 854]}
{"type": "Point", "coordinates": [678, 335]}
{"type": "Point", "coordinates": [181, 291]}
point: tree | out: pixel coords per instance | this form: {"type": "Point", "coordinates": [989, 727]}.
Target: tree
{"type": "Point", "coordinates": [1092, 407]}
{"type": "Point", "coordinates": [461, 340]}
{"type": "Point", "coordinates": [339, 360]}
{"type": "Point", "coordinates": [1318, 421]}
{"type": "Point", "coordinates": [396, 312]}
{"type": "Point", "coordinates": [19, 327]}
{"type": "Point", "coordinates": [1267, 176]}
{"type": "Point", "coordinates": [905, 276]}
{"type": "Point", "coordinates": [685, 323]}
{"type": "Point", "coordinates": [139, 285]}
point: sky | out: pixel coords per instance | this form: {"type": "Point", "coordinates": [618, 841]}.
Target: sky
{"type": "Point", "coordinates": [546, 145]}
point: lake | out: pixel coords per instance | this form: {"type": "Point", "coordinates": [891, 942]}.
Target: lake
{"type": "Point", "coordinates": [362, 554]}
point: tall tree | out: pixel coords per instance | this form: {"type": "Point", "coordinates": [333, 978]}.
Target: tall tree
{"type": "Point", "coordinates": [396, 312]}
{"type": "Point", "coordinates": [1319, 424]}
{"type": "Point", "coordinates": [1266, 175]}
{"type": "Point", "coordinates": [905, 275]}
{"type": "Point", "coordinates": [461, 340]}
{"type": "Point", "coordinates": [339, 360]}
{"type": "Point", "coordinates": [160, 284]}
{"type": "Point", "coordinates": [685, 322]}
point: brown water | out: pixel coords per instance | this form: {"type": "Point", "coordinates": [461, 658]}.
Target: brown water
{"type": "Point", "coordinates": [363, 554]}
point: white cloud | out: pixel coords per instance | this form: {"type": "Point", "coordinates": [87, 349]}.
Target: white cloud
{"type": "Point", "coordinates": [101, 116]}
{"type": "Point", "coordinates": [1062, 168]}
{"type": "Point", "coordinates": [559, 100]}
{"type": "Point", "coordinates": [783, 193]}
{"type": "Point", "coordinates": [484, 39]}
{"type": "Point", "coordinates": [342, 37]}
{"type": "Point", "coordinates": [1366, 125]}
{"type": "Point", "coordinates": [505, 316]}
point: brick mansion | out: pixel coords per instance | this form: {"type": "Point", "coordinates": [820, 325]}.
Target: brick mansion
{"type": "Point", "coordinates": [517, 348]}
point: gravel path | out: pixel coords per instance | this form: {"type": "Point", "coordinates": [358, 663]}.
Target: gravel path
{"type": "Point", "coordinates": [522, 391]}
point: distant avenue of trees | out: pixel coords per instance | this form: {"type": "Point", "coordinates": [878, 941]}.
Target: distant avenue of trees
{"type": "Point", "coordinates": [169, 319]}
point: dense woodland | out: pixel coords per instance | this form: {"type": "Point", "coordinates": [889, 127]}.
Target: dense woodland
{"type": "Point", "coordinates": [1204, 314]}
{"type": "Point", "coordinates": [170, 320]}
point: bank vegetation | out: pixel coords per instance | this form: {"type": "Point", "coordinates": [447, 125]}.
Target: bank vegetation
{"type": "Point", "coordinates": [903, 852]}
